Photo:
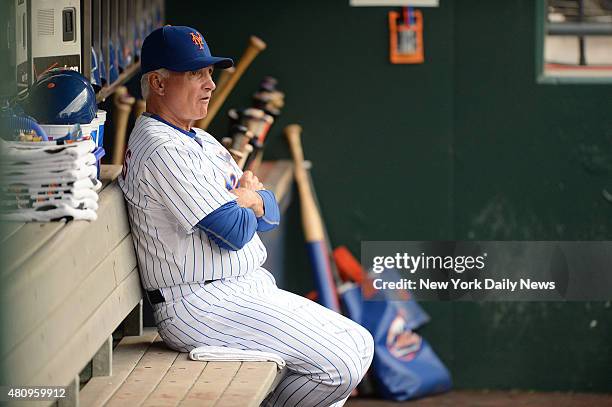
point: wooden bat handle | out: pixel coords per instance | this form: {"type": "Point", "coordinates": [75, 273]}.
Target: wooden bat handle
{"type": "Point", "coordinates": [123, 103]}
{"type": "Point", "coordinates": [311, 218]}
{"type": "Point", "coordinates": [247, 149]}
{"type": "Point", "coordinates": [254, 165]}
{"type": "Point", "coordinates": [227, 142]}
{"type": "Point", "coordinates": [139, 108]}
{"type": "Point", "coordinates": [255, 46]}
{"type": "Point", "coordinates": [224, 77]}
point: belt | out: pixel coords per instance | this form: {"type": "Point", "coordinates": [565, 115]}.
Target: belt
{"type": "Point", "coordinates": [155, 297]}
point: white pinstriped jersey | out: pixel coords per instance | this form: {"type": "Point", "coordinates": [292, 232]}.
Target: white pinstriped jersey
{"type": "Point", "coordinates": [170, 182]}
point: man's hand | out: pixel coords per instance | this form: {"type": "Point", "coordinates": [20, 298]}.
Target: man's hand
{"type": "Point", "coordinates": [248, 198]}
{"type": "Point", "coordinates": [250, 181]}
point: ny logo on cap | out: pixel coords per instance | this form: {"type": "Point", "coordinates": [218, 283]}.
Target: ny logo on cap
{"type": "Point", "coordinates": [197, 39]}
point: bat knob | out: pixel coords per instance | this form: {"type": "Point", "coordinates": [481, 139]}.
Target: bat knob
{"type": "Point", "coordinates": [293, 133]}
{"type": "Point", "coordinates": [257, 43]}
{"type": "Point", "coordinates": [293, 129]}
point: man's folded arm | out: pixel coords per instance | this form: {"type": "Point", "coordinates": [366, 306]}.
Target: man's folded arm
{"type": "Point", "coordinates": [230, 226]}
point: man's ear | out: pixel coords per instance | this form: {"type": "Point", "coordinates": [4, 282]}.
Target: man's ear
{"type": "Point", "coordinates": [156, 83]}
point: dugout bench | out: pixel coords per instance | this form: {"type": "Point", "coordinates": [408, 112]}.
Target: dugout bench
{"type": "Point", "coordinates": [67, 287]}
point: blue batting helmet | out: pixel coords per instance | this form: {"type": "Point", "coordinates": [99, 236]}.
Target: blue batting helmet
{"type": "Point", "coordinates": [62, 96]}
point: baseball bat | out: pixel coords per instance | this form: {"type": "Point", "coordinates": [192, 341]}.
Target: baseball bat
{"type": "Point", "coordinates": [255, 162]}
{"type": "Point", "coordinates": [336, 271]}
{"type": "Point", "coordinates": [123, 103]}
{"type": "Point", "coordinates": [312, 224]}
{"type": "Point", "coordinates": [224, 77]}
{"type": "Point", "coordinates": [255, 46]}
{"type": "Point", "coordinates": [139, 108]}
{"type": "Point", "coordinates": [333, 267]}
{"type": "Point", "coordinates": [240, 156]}
{"type": "Point", "coordinates": [246, 151]}
{"type": "Point", "coordinates": [226, 142]}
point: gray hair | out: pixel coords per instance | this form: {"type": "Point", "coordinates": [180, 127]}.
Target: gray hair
{"type": "Point", "coordinates": [144, 81]}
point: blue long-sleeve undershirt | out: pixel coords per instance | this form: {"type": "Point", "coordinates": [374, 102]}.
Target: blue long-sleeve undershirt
{"type": "Point", "coordinates": [232, 227]}
{"type": "Point", "coordinates": [271, 216]}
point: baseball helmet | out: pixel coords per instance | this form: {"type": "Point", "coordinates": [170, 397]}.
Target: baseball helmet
{"type": "Point", "coordinates": [62, 96]}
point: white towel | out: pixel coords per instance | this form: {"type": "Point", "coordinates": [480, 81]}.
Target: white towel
{"type": "Point", "coordinates": [16, 151]}
{"type": "Point", "coordinates": [33, 186]}
{"type": "Point", "coordinates": [48, 165]}
{"type": "Point", "coordinates": [89, 171]}
{"type": "Point", "coordinates": [16, 205]}
{"type": "Point", "coordinates": [58, 212]}
{"type": "Point", "coordinates": [223, 354]}
{"type": "Point", "coordinates": [51, 193]}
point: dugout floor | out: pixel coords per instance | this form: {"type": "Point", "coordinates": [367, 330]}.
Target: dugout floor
{"type": "Point", "coordinates": [496, 399]}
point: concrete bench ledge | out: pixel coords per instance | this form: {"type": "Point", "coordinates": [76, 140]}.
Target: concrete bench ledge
{"type": "Point", "coordinates": [66, 287]}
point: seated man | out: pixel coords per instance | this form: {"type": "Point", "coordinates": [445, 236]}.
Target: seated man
{"type": "Point", "coordinates": [195, 217]}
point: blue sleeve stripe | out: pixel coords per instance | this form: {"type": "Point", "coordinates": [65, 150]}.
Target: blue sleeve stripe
{"type": "Point", "coordinates": [212, 232]}
{"type": "Point", "coordinates": [270, 222]}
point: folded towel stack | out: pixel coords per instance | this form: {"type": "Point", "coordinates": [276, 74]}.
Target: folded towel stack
{"type": "Point", "coordinates": [49, 180]}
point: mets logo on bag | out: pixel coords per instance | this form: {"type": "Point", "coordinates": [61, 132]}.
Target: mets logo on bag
{"type": "Point", "coordinates": [197, 40]}
{"type": "Point", "coordinates": [401, 341]}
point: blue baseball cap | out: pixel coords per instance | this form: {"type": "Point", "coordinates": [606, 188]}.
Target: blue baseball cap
{"type": "Point", "coordinates": [179, 49]}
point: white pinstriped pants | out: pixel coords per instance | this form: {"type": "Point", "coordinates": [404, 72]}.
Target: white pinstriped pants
{"type": "Point", "coordinates": [327, 354]}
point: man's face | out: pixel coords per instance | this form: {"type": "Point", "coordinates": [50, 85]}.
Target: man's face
{"type": "Point", "coordinates": [187, 94]}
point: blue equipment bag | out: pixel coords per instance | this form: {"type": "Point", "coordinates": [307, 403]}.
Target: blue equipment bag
{"type": "Point", "coordinates": [405, 366]}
